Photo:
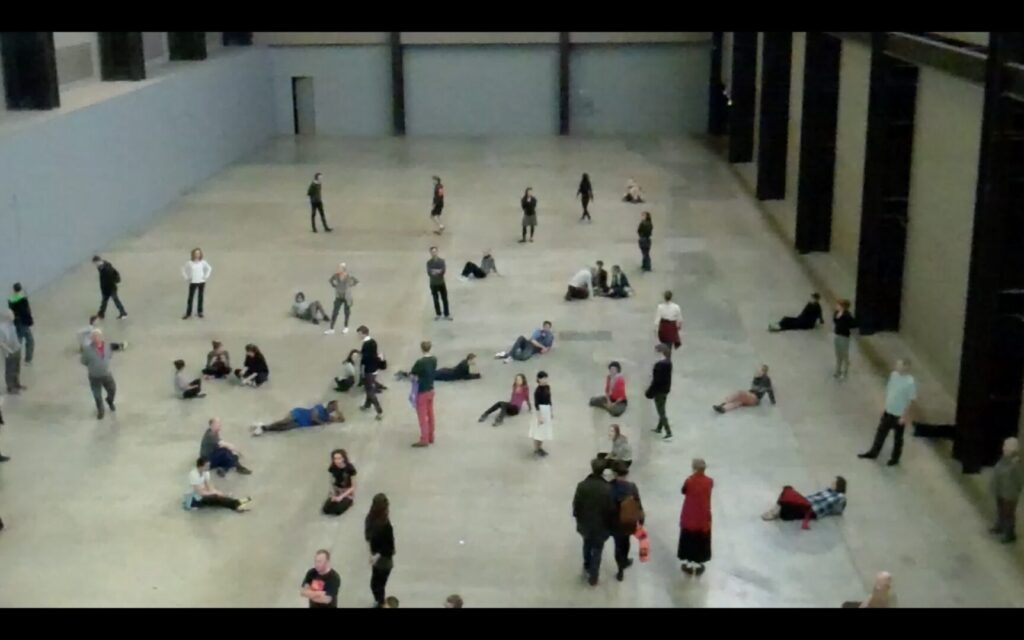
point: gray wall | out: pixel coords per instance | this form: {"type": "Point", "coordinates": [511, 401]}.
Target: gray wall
{"type": "Point", "coordinates": [75, 182]}
{"type": "Point", "coordinates": [947, 143]}
{"type": "Point", "coordinates": [481, 90]}
{"type": "Point", "coordinates": [639, 89]}
{"type": "Point", "coordinates": [351, 86]}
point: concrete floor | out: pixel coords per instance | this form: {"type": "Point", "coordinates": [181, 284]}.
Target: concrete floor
{"type": "Point", "coordinates": [96, 505]}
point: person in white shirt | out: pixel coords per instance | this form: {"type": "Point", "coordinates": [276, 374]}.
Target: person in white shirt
{"type": "Point", "coordinates": [668, 320]}
{"type": "Point", "coordinates": [196, 272]}
{"type": "Point", "coordinates": [204, 495]}
{"type": "Point", "coordinates": [579, 285]}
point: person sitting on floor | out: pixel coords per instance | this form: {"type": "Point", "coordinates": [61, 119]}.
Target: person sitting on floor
{"type": "Point", "coordinates": [791, 505]}
{"type": "Point", "coordinates": [522, 349]}
{"type": "Point", "coordinates": [809, 318]}
{"type": "Point", "coordinates": [759, 386]}
{"type": "Point", "coordinates": [621, 452]}
{"type": "Point", "coordinates": [256, 370]}
{"type": "Point", "coordinates": [300, 418]}
{"type": "Point", "coordinates": [599, 279]}
{"type": "Point", "coordinates": [204, 495]}
{"type": "Point", "coordinates": [614, 399]}
{"type": "Point", "coordinates": [618, 287]}
{"type": "Point", "coordinates": [465, 370]}
{"type": "Point", "coordinates": [218, 362]}
{"type": "Point", "coordinates": [579, 285]}
{"type": "Point", "coordinates": [486, 266]}
{"type": "Point", "coordinates": [634, 193]}
{"type": "Point", "coordinates": [182, 387]}
{"type": "Point", "coordinates": [309, 311]}
{"type": "Point", "coordinates": [223, 455]}
{"type": "Point", "coordinates": [343, 487]}
{"type": "Point", "coordinates": [349, 372]}
{"type": "Point", "coordinates": [520, 394]}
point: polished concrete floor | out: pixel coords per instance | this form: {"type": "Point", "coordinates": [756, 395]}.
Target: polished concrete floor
{"type": "Point", "coordinates": [93, 508]}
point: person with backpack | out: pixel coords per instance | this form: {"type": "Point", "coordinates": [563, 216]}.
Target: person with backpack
{"type": "Point", "coordinates": [630, 515]}
{"type": "Point", "coordinates": [109, 280]}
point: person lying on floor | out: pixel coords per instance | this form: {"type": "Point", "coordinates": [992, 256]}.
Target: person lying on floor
{"type": "Point", "coordinates": [809, 318]}
{"type": "Point", "coordinates": [309, 311]}
{"type": "Point", "coordinates": [300, 418]}
{"type": "Point", "coordinates": [465, 370]}
{"type": "Point", "coordinates": [759, 386]}
{"type": "Point", "coordinates": [791, 505]}
{"type": "Point", "coordinates": [256, 371]}
{"type": "Point", "coordinates": [520, 395]}
{"type": "Point", "coordinates": [634, 193]}
{"type": "Point", "coordinates": [486, 266]}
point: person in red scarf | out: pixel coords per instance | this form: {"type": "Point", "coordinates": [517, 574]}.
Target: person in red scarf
{"type": "Point", "coordinates": [614, 399]}
{"type": "Point", "coordinates": [695, 520]}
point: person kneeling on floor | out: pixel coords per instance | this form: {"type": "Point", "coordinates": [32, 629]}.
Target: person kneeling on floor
{"type": "Point", "coordinates": [343, 487]}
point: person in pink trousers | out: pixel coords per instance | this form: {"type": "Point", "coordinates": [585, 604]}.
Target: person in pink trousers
{"type": "Point", "coordinates": [423, 373]}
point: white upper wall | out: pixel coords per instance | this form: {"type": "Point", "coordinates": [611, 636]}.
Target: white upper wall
{"type": "Point", "coordinates": [78, 56]}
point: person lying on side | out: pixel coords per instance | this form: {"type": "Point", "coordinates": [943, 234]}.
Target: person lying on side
{"type": "Point", "coordinates": [791, 505]}
{"type": "Point", "coordinates": [300, 418]}
{"type": "Point", "coordinates": [465, 370]}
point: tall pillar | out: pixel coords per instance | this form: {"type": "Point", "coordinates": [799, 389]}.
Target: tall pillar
{"type": "Point", "coordinates": [30, 70]}
{"type": "Point", "coordinates": [718, 105]}
{"type": "Point", "coordinates": [122, 56]}
{"type": "Point", "coordinates": [741, 112]}
{"type": "Point", "coordinates": [564, 70]}
{"type": "Point", "coordinates": [187, 45]}
{"type": "Point", "coordinates": [397, 83]}
{"type": "Point", "coordinates": [773, 141]}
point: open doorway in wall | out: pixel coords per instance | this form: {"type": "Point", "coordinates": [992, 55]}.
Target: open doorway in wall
{"type": "Point", "coordinates": [303, 106]}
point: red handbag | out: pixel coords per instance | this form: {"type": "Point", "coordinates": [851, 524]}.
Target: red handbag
{"type": "Point", "coordinates": [643, 542]}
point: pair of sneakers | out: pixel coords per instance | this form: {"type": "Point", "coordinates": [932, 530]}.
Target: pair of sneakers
{"type": "Point", "coordinates": [330, 332]}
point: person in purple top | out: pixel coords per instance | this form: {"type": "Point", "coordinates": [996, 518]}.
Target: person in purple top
{"type": "Point", "coordinates": [522, 349]}
{"type": "Point", "coordinates": [520, 394]}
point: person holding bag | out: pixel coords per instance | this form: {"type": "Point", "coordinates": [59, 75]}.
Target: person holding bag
{"type": "Point", "coordinates": [343, 487]}
{"type": "Point", "coordinates": [630, 516]}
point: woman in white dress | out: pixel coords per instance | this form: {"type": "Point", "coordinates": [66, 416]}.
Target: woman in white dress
{"type": "Point", "coordinates": [541, 427]}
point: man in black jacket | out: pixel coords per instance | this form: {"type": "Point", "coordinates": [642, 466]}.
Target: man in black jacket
{"type": "Point", "coordinates": [661, 384]}
{"type": "Point", "coordinates": [316, 203]}
{"type": "Point", "coordinates": [595, 512]}
{"type": "Point", "coordinates": [630, 514]}
{"type": "Point", "coordinates": [18, 303]}
{"type": "Point", "coordinates": [109, 279]}
{"type": "Point", "coordinates": [371, 364]}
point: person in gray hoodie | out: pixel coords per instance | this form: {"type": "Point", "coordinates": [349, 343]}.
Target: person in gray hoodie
{"type": "Point", "coordinates": [96, 358]}
{"type": "Point", "coordinates": [10, 347]}
{"type": "Point", "coordinates": [342, 282]}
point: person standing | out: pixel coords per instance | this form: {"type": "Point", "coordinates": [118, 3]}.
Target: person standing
{"type": "Point", "coordinates": [900, 393]}
{"type": "Point", "coordinates": [371, 363]}
{"type": "Point", "coordinates": [109, 281]}
{"type": "Point", "coordinates": [10, 346]}
{"type": "Point", "coordinates": [529, 206]}
{"type": "Point", "coordinates": [438, 290]}
{"type": "Point", "coordinates": [668, 320]}
{"type": "Point", "coordinates": [630, 513]}
{"type": "Point", "coordinates": [585, 193]}
{"type": "Point", "coordinates": [661, 385]}
{"type": "Point", "coordinates": [437, 206]}
{"type": "Point", "coordinates": [695, 520]}
{"type": "Point", "coordinates": [381, 537]}
{"type": "Point", "coordinates": [96, 358]}
{"type": "Point", "coordinates": [595, 512]}
{"type": "Point", "coordinates": [316, 202]}
{"type": "Point", "coordinates": [196, 272]}
{"type": "Point", "coordinates": [843, 322]}
{"type": "Point", "coordinates": [18, 303]}
{"type": "Point", "coordinates": [424, 370]}
{"type": "Point", "coordinates": [643, 233]}
{"type": "Point", "coordinates": [1007, 482]}
{"type": "Point", "coordinates": [542, 427]}
{"type": "Point", "coordinates": [342, 282]}
{"type": "Point", "coordinates": [322, 583]}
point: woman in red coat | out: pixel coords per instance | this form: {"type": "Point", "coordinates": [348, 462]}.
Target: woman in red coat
{"type": "Point", "coordinates": [695, 520]}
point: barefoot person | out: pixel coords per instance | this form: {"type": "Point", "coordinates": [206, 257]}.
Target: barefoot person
{"type": "Point", "coordinates": [203, 494]}
{"type": "Point", "coordinates": [759, 386]}
{"type": "Point", "coordinates": [302, 417]}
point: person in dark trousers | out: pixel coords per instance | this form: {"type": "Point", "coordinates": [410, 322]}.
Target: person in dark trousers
{"type": "Point", "coordinates": [203, 494]}
{"type": "Point", "coordinates": [809, 318]}
{"type": "Point", "coordinates": [223, 455]}
{"type": "Point", "coordinates": [437, 206]}
{"type": "Point", "coordinates": [311, 311]}
{"type": "Point", "coordinates": [585, 193]}
{"type": "Point", "coordinates": [96, 358]}
{"type": "Point", "coordinates": [256, 371]}
{"type": "Point", "coordinates": [343, 488]}
{"type": "Point", "coordinates": [900, 394]}
{"type": "Point", "coordinates": [843, 322]}
{"type": "Point", "coordinates": [196, 272]}
{"type": "Point", "coordinates": [644, 232]}
{"type": "Point", "coordinates": [316, 202]}
{"type": "Point", "coordinates": [599, 282]}
{"type": "Point", "coordinates": [10, 347]}
{"type": "Point", "coordinates": [520, 395]}
{"type": "Point", "coordinates": [541, 341]}
{"type": "Point", "coordinates": [438, 290]}
{"type": "Point", "coordinates": [381, 537]}
{"type": "Point", "coordinates": [465, 370]}
{"type": "Point", "coordinates": [109, 281]}
{"type": "Point", "coordinates": [529, 205]}
{"type": "Point", "coordinates": [630, 511]}
{"type": "Point", "coordinates": [18, 303]}
{"type": "Point", "coordinates": [661, 385]}
{"type": "Point", "coordinates": [371, 364]}
{"type": "Point", "coordinates": [614, 399]}
{"type": "Point", "coordinates": [302, 418]}
{"type": "Point", "coordinates": [183, 387]}
{"type": "Point", "coordinates": [322, 583]}
{"type": "Point", "coordinates": [596, 513]}
{"type": "Point", "coordinates": [618, 286]}
{"type": "Point", "coordinates": [1007, 482]}
{"type": "Point", "coordinates": [218, 362]}
{"type": "Point", "coordinates": [486, 266]}
{"type": "Point", "coordinates": [342, 281]}
{"type": "Point", "coordinates": [349, 372]}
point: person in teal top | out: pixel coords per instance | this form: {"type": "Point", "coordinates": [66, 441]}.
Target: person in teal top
{"type": "Point", "coordinates": [900, 393]}
{"type": "Point", "coordinates": [423, 372]}
{"type": "Point", "coordinates": [301, 417]}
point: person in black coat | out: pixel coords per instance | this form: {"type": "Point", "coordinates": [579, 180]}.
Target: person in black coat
{"type": "Point", "coordinates": [596, 515]}
{"type": "Point", "coordinates": [661, 385]}
{"type": "Point", "coordinates": [618, 286]}
{"type": "Point", "coordinates": [109, 280]}
{"type": "Point", "coordinates": [529, 206]}
{"type": "Point", "coordinates": [381, 537]}
{"type": "Point", "coordinates": [809, 318]}
{"type": "Point", "coordinates": [256, 371]}
{"type": "Point", "coordinates": [585, 193]}
{"type": "Point", "coordinates": [371, 363]}
{"type": "Point", "coordinates": [621, 489]}
{"type": "Point", "coordinates": [18, 303]}
{"type": "Point", "coordinates": [644, 232]}
{"type": "Point", "coordinates": [316, 202]}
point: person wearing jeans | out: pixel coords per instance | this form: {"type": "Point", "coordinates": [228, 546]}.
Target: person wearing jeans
{"type": "Point", "coordinates": [660, 386]}
{"type": "Point", "coordinates": [18, 303]}
{"type": "Point", "coordinates": [423, 371]}
{"type": "Point", "coordinates": [371, 362]}
{"type": "Point", "coordinates": [438, 290]}
{"type": "Point", "coordinates": [900, 393]}
{"type": "Point", "coordinates": [614, 399]}
{"type": "Point", "coordinates": [96, 358]}
{"type": "Point", "coordinates": [342, 283]}
{"type": "Point", "coordinates": [595, 512]}
{"type": "Point", "coordinates": [196, 272]}
{"type": "Point", "coordinates": [222, 455]}
{"type": "Point", "coordinates": [522, 349]}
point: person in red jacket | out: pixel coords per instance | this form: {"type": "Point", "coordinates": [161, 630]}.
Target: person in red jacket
{"type": "Point", "coordinates": [695, 520]}
{"type": "Point", "coordinates": [614, 399]}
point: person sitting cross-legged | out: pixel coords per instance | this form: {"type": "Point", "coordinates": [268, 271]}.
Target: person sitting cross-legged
{"type": "Point", "coordinates": [300, 418]}
{"type": "Point", "coordinates": [614, 399]}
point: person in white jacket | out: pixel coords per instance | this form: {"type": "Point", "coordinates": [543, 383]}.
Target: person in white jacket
{"type": "Point", "coordinates": [196, 272]}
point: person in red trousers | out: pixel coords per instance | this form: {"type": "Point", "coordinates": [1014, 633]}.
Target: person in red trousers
{"type": "Point", "coordinates": [423, 372]}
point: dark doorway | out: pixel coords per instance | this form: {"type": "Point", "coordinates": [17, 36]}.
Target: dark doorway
{"type": "Point", "coordinates": [741, 110]}
{"type": "Point", "coordinates": [303, 106]}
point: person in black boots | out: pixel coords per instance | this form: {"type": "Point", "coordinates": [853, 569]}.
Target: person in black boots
{"type": "Point", "coordinates": [438, 290]}
{"type": "Point", "coordinates": [381, 537]}
{"type": "Point", "coordinates": [595, 512]}
{"type": "Point", "coordinates": [109, 280]}
{"type": "Point", "coordinates": [18, 303]}
{"type": "Point", "coordinates": [661, 385]}
{"type": "Point", "coordinates": [585, 193]}
{"type": "Point", "coordinates": [437, 206]}
{"type": "Point", "coordinates": [529, 205]}
{"type": "Point", "coordinates": [371, 362]}
{"type": "Point", "coordinates": [630, 514]}
{"type": "Point", "coordinates": [809, 318]}
{"type": "Point", "coordinates": [644, 232]}
{"type": "Point", "coordinates": [316, 202]}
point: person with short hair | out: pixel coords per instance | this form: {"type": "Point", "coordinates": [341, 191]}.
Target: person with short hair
{"type": "Point", "coordinates": [218, 361]}
{"type": "Point", "coordinates": [579, 285]}
{"type": "Point", "coordinates": [196, 272]}
{"type": "Point", "coordinates": [618, 286]}
{"type": "Point", "coordinates": [695, 520]}
{"type": "Point", "coordinates": [621, 453]}
{"type": "Point", "coordinates": [843, 322]}
{"type": "Point", "coordinates": [256, 371]}
{"type": "Point", "coordinates": [599, 279]}
{"type": "Point", "coordinates": [343, 282]}
{"type": "Point", "coordinates": [542, 428]}
{"type": "Point", "coordinates": [437, 205]}
{"type": "Point", "coordinates": [529, 207]}
{"type": "Point", "coordinates": [486, 266]}
{"type": "Point", "coordinates": [309, 311]}
{"type": "Point", "coordinates": [109, 281]}
{"type": "Point", "coordinates": [343, 486]}
{"type": "Point", "coordinates": [453, 601]}
{"type": "Point", "coordinates": [644, 231]}
{"type": "Point", "coordinates": [371, 363]}
{"type": "Point", "coordinates": [810, 317]}
{"type": "Point", "coordinates": [316, 202]}
{"type": "Point", "coordinates": [223, 455]}
{"type": "Point", "coordinates": [1007, 482]}
{"type": "Point", "coordinates": [660, 386]}
{"type": "Point", "coordinates": [10, 347]}
{"type": "Point", "coordinates": [301, 418]}
{"type": "Point", "coordinates": [614, 399]}
{"type": "Point", "coordinates": [438, 289]}
{"type": "Point", "coordinates": [791, 505]}
{"type": "Point", "coordinates": [424, 371]}
{"type": "Point", "coordinates": [520, 395]}
{"type": "Point", "coordinates": [204, 495]}
{"type": "Point", "coordinates": [596, 513]}
{"type": "Point", "coordinates": [18, 303]}
{"type": "Point", "coordinates": [668, 321]}
{"type": "Point", "coordinates": [759, 386]}
{"type": "Point", "coordinates": [900, 394]}
{"type": "Point", "coordinates": [96, 358]}
{"type": "Point", "coordinates": [381, 538]}
{"type": "Point", "coordinates": [630, 515]}
{"type": "Point", "coordinates": [321, 584]}
{"type": "Point", "coordinates": [541, 341]}
{"type": "Point", "coordinates": [83, 337]}
{"type": "Point", "coordinates": [185, 389]}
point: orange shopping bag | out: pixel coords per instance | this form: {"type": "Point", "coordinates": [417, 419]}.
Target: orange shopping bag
{"type": "Point", "coordinates": [643, 542]}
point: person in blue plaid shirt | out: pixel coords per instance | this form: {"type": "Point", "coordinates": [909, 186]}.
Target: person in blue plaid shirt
{"type": "Point", "coordinates": [791, 505]}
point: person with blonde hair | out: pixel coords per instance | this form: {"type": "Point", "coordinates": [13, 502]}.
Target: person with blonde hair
{"type": "Point", "coordinates": [196, 272]}
{"type": "Point", "coordinates": [1007, 482]}
{"type": "Point", "coordinates": [342, 282]}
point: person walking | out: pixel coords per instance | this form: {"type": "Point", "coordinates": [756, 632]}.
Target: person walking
{"type": "Point", "coordinates": [255, 369]}
{"type": "Point", "coordinates": [542, 428]}
{"type": "Point", "coordinates": [630, 515]}
{"type": "Point", "coordinates": [342, 282]}
{"type": "Point", "coordinates": [437, 206]}
{"type": "Point", "coordinates": [1007, 482]}
{"type": "Point", "coordinates": [585, 193]}
{"type": "Point", "coordinates": [695, 520]}
{"type": "Point", "coordinates": [438, 290]}
{"type": "Point", "coordinates": [529, 206]}
{"type": "Point", "coordinates": [109, 281]}
{"type": "Point", "coordinates": [96, 358]}
{"type": "Point", "coordinates": [643, 233]}
{"type": "Point", "coordinates": [843, 322]}
{"type": "Point", "coordinates": [423, 371]}
{"type": "Point", "coordinates": [668, 320]}
{"type": "Point", "coordinates": [18, 303]}
{"type": "Point", "coordinates": [10, 347]}
{"type": "Point", "coordinates": [371, 362]}
{"type": "Point", "coordinates": [380, 535]}
{"type": "Point", "coordinates": [900, 393]}
{"type": "Point", "coordinates": [321, 584]}
{"type": "Point", "coordinates": [316, 202]}
{"type": "Point", "coordinates": [196, 272]}
{"type": "Point", "coordinates": [595, 512]}
{"type": "Point", "coordinates": [660, 386]}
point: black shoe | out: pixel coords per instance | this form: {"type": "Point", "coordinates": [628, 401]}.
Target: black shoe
{"type": "Point", "coordinates": [523, 241]}
{"type": "Point", "coordinates": [1009, 539]}
{"type": "Point", "coordinates": [867, 456]}
{"type": "Point", "coordinates": [245, 471]}
{"type": "Point", "coordinates": [592, 581]}
{"type": "Point", "coordinates": [99, 414]}
{"type": "Point", "coordinates": [482, 419]}
{"type": "Point", "coordinates": [314, 230]}
{"type": "Point", "coordinates": [699, 570]}
{"type": "Point", "coordinates": [892, 463]}
{"type": "Point", "coordinates": [629, 563]}
{"type": "Point", "coordinates": [186, 316]}
{"type": "Point", "coordinates": [619, 575]}
{"type": "Point", "coordinates": [200, 315]}
{"type": "Point", "coordinates": [4, 458]}
{"type": "Point", "coordinates": [687, 569]}
{"type": "Point", "coordinates": [122, 316]}
{"type": "Point", "coordinates": [328, 229]}
{"type": "Point", "coordinates": [719, 408]}
{"type": "Point", "coordinates": [110, 403]}
{"type": "Point", "coordinates": [656, 430]}
{"type": "Point", "coordinates": [668, 436]}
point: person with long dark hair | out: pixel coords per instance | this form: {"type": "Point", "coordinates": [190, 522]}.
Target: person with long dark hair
{"type": "Point", "coordinates": [349, 372]}
{"type": "Point", "coordinates": [542, 430]}
{"type": "Point", "coordinates": [520, 395]}
{"type": "Point", "coordinates": [668, 320]}
{"type": "Point", "coordinates": [843, 322]}
{"type": "Point", "coordinates": [256, 371]}
{"type": "Point", "coordinates": [343, 487]}
{"type": "Point", "coordinates": [529, 205]}
{"type": "Point", "coordinates": [643, 233]}
{"type": "Point", "coordinates": [585, 193]}
{"type": "Point", "coordinates": [437, 206]}
{"type": "Point", "coordinates": [381, 537]}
